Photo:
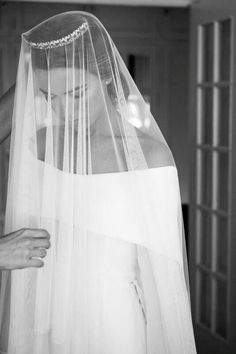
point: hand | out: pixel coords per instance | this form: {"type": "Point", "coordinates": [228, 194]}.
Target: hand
{"type": "Point", "coordinates": [23, 249]}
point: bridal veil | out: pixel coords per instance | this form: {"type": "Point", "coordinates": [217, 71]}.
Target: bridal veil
{"type": "Point", "coordinates": [89, 163]}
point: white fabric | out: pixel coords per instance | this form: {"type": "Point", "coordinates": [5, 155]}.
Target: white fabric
{"type": "Point", "coordinates": [99, 176]}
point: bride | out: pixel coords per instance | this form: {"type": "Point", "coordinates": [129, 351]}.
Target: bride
{"type": "Point", "coordinates": [89, 164]}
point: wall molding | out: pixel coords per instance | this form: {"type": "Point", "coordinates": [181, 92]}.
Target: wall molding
{"type": "Point", "coordinates": [163, 3]}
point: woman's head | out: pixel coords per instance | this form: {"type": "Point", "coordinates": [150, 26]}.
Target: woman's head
{"type": "Point", "coordinates": [73, 39]}
{"type": "Point", "coordinates": [74, 74]}
{"type": "Point", "coordinates": [76, 40]}
{"type": "Point", "coordinates": [73, 93]}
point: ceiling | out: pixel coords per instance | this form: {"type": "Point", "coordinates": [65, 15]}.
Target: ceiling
{"type": "Point", "coordinates": [163, 3]}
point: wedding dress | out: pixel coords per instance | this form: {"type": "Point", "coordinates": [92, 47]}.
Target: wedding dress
{"type": "Point", "coordinates": [89, 164]}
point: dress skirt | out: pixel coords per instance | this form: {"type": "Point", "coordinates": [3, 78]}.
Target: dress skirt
{"type": "Point", "coordinates": [114, 279]}
{"type": "Point", "coordinates": [114, 321]}
{"type": "Point", "coordinates": [118, 302]}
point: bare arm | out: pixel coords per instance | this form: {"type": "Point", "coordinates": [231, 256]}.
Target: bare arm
{"type": "Point", "coordinates": [6, 109]}
{"type": "Point", "coordinates": [23, 248]}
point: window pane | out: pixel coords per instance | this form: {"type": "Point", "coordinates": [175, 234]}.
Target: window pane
{"type": "Point", "coordinates": [225, 36]}
{"type": "Point", "coordinates": [206, 178]}
{"type": "Point", "coordinates": [223, 185]}
{"type": "Point", "coordinates": [223, 120]}
{"type": "Point", "coordinates": [139, 68]}
{"type": "Point", "coordinates": [221, 309]}
{"type": "Point", "coordinates": [206, 116]}
{"type": "Point", "coordinates": [205, 238]}
{"type": "Point", "coordinates": [222, 244]}
{"type": "Point", "coordinates": [207, 74]}
{"type": "Point", "coordinates": [205, 299]}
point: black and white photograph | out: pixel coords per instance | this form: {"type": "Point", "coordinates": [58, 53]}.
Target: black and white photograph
{"type": "Point", "coordinates": [117, 170]}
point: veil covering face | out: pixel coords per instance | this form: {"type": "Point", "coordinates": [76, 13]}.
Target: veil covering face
{"type": "Point", "coordinates": [89, 164]}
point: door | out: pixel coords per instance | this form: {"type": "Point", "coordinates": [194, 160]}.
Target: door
{"type": "Point", "coordinates": [140, 63]}
{"type": "Point", "coordinates": [213, 172]}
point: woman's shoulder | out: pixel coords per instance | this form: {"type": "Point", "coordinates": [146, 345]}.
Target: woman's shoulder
{"type": "Point", "coordinates": [156, 153]}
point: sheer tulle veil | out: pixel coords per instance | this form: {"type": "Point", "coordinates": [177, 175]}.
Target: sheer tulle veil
{"type": "Point", "coordinates": [89, 163]}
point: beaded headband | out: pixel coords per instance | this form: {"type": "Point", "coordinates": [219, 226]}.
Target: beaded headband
{"type": "Point", "coordinates": [62, 41]}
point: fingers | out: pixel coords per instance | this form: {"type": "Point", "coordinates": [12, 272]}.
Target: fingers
{"type": "Point", "coordinates": [28, 232]}
{"type": "Point", "coordinates": [35, 262]}
{"type": "Point", "coordinates": [38, 243]}
{"type": "Point", "coordinates": [35, 258]}
{"type": "Point", "coordinates": [35, 238]}
{"type": "Point", "coordinates": [38, 253]}
{"type": "Point", "coordinates": [36, 233]}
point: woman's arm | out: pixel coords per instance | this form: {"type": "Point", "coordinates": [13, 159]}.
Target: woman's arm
{"type": "Point", "coordinates": [6, 109]}
{"type": "Point", "coordinates": [25, 247]}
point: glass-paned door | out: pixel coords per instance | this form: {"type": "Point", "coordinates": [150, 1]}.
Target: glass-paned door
{"type": "Point", "coordinates": [212, 203]}
{"type": "Point", "coordinates": [213, 149]}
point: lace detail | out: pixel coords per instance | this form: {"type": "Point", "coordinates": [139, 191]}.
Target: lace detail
{"type": "Point", "coordinates": [62, 41]}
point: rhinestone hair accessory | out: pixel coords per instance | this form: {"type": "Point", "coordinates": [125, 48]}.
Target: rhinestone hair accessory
{"type": "Point", "coordinates": [62, 41]}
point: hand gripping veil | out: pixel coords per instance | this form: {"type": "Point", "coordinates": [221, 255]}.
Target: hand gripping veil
{"type": "Point", "coordinates": [89, 164]}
